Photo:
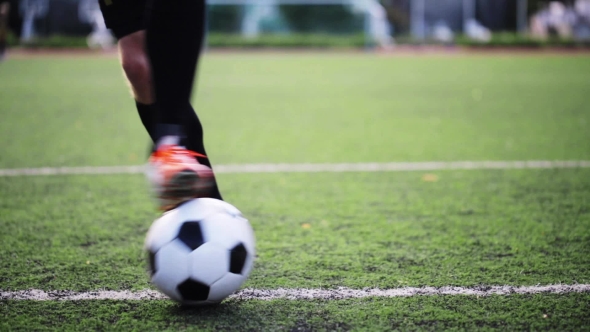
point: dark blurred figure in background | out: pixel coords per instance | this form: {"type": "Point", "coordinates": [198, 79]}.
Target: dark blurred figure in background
{"type": "Point", "coordinates": [4, 9]}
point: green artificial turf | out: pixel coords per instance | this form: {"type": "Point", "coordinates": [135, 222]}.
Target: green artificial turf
{"type": "Point", "coordinates": [314, 230]}
{"type": "Point", "coordinates": [521, 227]}
{"type": "Point", "coordinates": [309, 108]}
{"type": "Point", "coordinates": [432, 313]}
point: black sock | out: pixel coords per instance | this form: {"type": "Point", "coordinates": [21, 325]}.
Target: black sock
{"type": "Point", "coordinates": [175, 33]}
{"type": "Point", "coordinates": [194, 140]}
{"type": "Point", "coordinates": [147, 114]}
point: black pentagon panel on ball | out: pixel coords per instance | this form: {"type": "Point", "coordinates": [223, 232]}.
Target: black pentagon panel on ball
{"type": "Point", "coordinates": [190, 234]}
{"type": "Point", "coordinates": [191, 290]}
{"type": "Point", "coordinates": [152, 262]}
{"type": "Point", "coordinates": [237, 258]}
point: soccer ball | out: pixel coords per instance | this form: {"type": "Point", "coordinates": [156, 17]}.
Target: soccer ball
{"type": "Point", "coordinates": [200, 252]}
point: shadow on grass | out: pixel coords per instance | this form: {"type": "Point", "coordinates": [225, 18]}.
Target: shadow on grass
{"type": "Point", "coordinates": [229, 315]}
{"type": "Point", "coordinates": [245, 315]}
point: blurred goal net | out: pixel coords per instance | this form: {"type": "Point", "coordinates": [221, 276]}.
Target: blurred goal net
{"type": "Point", "coordinates": [252, 18]}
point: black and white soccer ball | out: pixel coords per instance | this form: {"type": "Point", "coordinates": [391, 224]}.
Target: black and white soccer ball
{"type": "Point", "coordinates": [200, 252]}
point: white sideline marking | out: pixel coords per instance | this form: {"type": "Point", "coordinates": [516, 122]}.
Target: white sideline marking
{"type": "Point", "coordinates": [302, 293]}
{"type": "Point", "coordinates": [309, 168]}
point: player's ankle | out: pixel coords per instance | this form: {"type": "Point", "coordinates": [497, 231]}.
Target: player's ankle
{"type": "Point", "coordinates": [169, 134]}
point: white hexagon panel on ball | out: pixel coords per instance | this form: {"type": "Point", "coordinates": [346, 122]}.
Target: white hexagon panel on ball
{"type": "Point", "coordinates": [171, 268]}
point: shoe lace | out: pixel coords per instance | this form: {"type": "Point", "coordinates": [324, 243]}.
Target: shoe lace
{"type": "Point", "coordinates": [173, 152]}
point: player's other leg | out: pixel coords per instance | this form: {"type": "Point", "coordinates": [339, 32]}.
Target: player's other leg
{"type": "Point", "coordinates": [136, 68]}
{"type": "Point", "coordinates": [126, 20]}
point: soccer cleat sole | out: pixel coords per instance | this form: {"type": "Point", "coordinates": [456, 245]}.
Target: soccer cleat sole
{"type": "Point", "coordinates": [183, 185]}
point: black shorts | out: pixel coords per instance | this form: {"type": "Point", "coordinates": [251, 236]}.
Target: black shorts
{"type": "Point", "coordinates": [124, 17]}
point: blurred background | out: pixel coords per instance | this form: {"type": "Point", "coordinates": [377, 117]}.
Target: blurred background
{"type": "Point", "coordinates": [374, 24]}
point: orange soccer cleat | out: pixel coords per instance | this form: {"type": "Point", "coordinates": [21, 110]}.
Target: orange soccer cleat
{"type": "Point", "coordinates": [176, 176]}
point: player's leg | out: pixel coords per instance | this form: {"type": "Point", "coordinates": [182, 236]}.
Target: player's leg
{"type": "Point", "coordinates": [126, 21]}
{"type": "Point", "coordinates": [175, 33]}
{"type": "Point", "coordinates": [137, 70]}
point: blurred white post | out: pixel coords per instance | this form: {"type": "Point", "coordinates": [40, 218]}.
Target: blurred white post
{"type": "Point", "coordinates": [468, 13]}
{"type": "Point", "coordinates": [100, 37]}
{"type": "Point", "coordinates": [377, 26]}
{"type": "Point", "coordinates": [31, 10]}
{"type": "Point", "coordinates": [250, 26]}
{"type": "Point", "coordinates": [253, 12]}
{"type": "Point", "coordinates": [417, 19]}
{"type": "Point", "coordinates": [522, 16]}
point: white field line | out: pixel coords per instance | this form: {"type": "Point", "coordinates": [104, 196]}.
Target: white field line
{"type": "Point", "coordinates": [309, 168]}
{"type": "Point", "coordinates": [302, 293]}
